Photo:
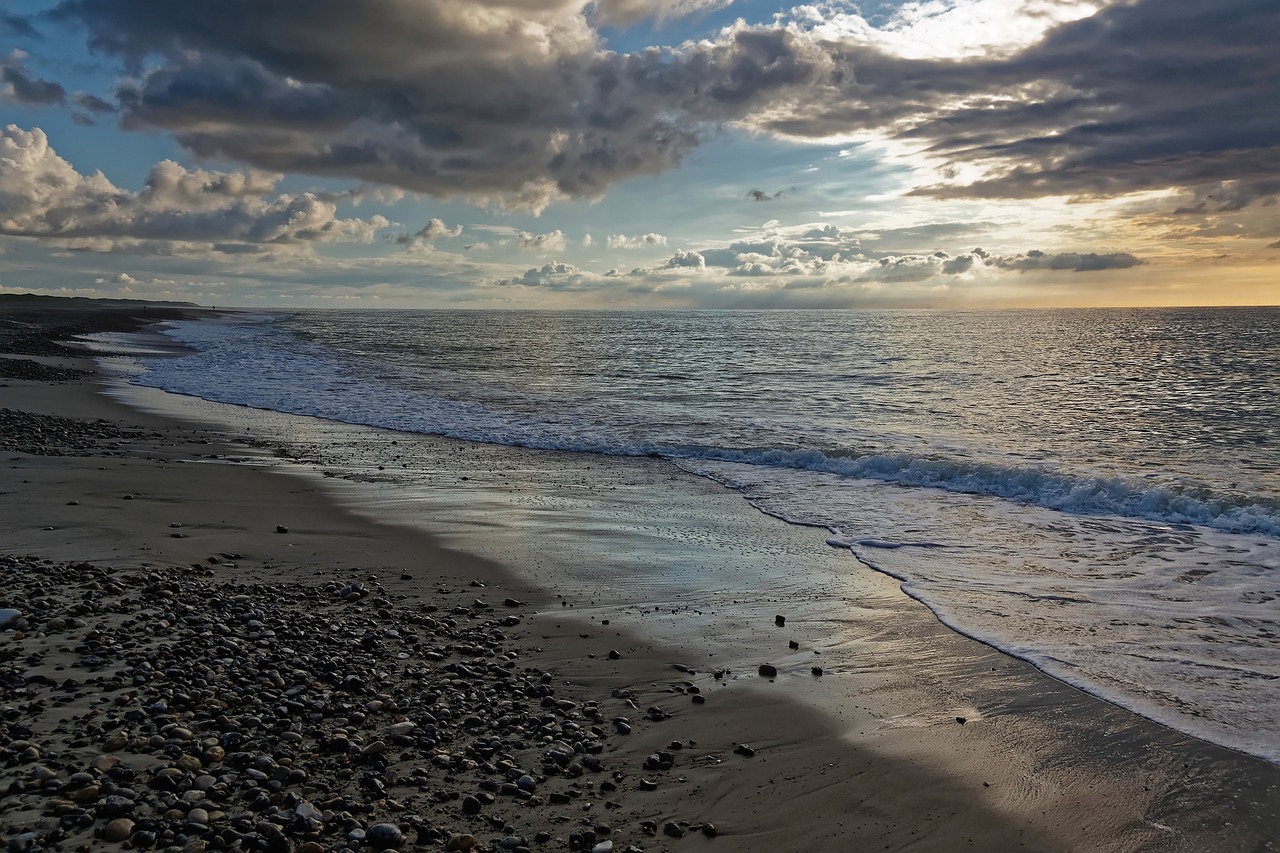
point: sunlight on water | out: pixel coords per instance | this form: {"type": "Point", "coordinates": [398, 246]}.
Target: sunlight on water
{"type": "Point", "coordinates": [1095, 491]}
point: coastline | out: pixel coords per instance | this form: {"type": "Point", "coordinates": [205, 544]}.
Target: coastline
{"type": "Point", "coordinates": [880, 759]}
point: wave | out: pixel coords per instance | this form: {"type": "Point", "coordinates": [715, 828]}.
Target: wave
{"type": "Point", "coordinates": [1073, 493]}
{"type": "Point", "coordinates": [258, 365]}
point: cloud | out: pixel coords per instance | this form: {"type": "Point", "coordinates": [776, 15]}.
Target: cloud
{"type": "Point", "coordinates": [179, 210]}
{"type": "Point", "coordinates": [435, 229]}
{"type": "Point", "coordinates": [519, 104]}
{"type": "Point", "coordinates": [622, 12]}
{"type": "Point", "coordinates": [761, 195]}
{"type": "Point", "coordinates": [825, 254]}
{"type": "Point", "coordinates": [1072, 261]}
{"type": "Point", "coordinates": [25, 89]}
{"type": "Point", "coordinates": [552, 242]}
{"type": "Point", "coordinates": [685, 260]}
{"type": "Point", "coordinates": [555, 276]}
{"type": "Point", "coordinates": [93, 103]}
{"type": "Point", "coordinates": [18, 25]}
{"type": "Point", "coordinates": [642, 241]}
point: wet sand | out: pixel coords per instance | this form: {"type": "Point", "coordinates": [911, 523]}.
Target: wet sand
{"type": "Point", "coordinates": [872, 754]}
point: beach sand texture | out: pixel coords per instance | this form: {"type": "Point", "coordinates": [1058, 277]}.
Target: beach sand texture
{"type": "Point", "coordinates": [200, 650]}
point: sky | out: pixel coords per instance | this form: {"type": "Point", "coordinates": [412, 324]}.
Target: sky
{"type": "Point", "coordinates": [642, 153]}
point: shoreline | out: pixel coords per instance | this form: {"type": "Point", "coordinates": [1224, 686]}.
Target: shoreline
{"type": "Point", "coordinates": [817, 778]}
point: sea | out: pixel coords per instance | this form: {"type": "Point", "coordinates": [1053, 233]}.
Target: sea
{"type": "Point", "coordinates": [1096, 492]}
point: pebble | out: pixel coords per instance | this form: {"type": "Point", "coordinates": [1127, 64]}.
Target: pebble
{"type": "Point", "coordinates": [768, 670]}
{"type": "Point", "coordinates": [384, 836]}
{"type": "Point", "coordinates": [8, 616]}
{"type": "Point", "coordinates": [271, 717]}
{"type": "Point", "coordinates": [118, 830]}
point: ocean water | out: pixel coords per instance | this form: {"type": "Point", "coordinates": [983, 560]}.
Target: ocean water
{"type": "Point", "coordinates": [1095, 491]}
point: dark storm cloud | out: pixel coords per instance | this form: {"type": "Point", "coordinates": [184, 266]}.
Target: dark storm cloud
{"type": "Point", "coordinates": [31, 90]}
{"type": "Point", "coordinates": [17, 25]}
{"type": "Point", "coordinates": [517, 101]}
{"type": "Point", "coordinates": [1144, 95]}
{"type": "Point", "coordinates": [93, 103]}
{"type": "Point", "coordinates": [1069, 261]}
{"type": "Point", "coordinates": [513, 101]}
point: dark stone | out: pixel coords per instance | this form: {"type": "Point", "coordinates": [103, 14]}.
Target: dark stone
{"type": "Point", "coordinates": [384, 836]}
{"type": "Point", "coordinates": [768, 670]}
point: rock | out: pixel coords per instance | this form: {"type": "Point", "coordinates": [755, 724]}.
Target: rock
{"type": "Point", "coordinates": [709, 830]}
{"type": "Point", "coordinates": [614, 654]}
{"type": "Point", "coordinates": [768, 670]}
{"type": "Point", "coordinates": [699, 699]}
{"type": "Point", "coordinates": [460, 841]}
{"type": "Point", "coordinates": [280, 528]}
{"type": "Point", "coordinates": [743, 749]}
{"type": "Point", "coordinates": [8, 616]}
{"type": "Point", "coordinates": [605, 846]}
{"type": "Point", "coordinates": [384, 836]}
{"type": "Point", "coordinates": [780, 621]}
{"type": "Point", "coordinates": [198, 816]}
{"type": "Point", "coordinates": [962, 720]}
{"type": "Point", "coordinates": [817, 670]}
{"type": "Point", "coordinates": [792, 644]}
{"type": "Point", "coordinates": [673, 829]}
{"type": "Point", "coordinates": [470, 805]}
{"type": "Point", "coordinates": [118, 830]}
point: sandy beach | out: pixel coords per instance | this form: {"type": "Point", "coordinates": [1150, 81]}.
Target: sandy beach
{"type": "Point", "coordinates": [201, 650]}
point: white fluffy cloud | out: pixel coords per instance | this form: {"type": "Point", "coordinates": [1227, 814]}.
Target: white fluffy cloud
{"type": "Point", "coordinates": [554, 241]}
{"type": "Point", "coordinates": [642, 241]}
{"type": "Point", "coordinates": [179, 210]}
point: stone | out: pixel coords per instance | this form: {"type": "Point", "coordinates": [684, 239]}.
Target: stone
{"type": "Point", "coordinates": [768, 670]}
{"type": "Point", "coordinates": [384, 836]}
{"type": "Point", "coordinates": [118, 830]}
{"type": "Point", "coordinates": [793, 645]}
{"type": "Point", "coordinates": [743, 749]}
{"type": "Point", "coordinates": [780, 621]}
{"type": "Point", "coordinates": [460, 841]}
{"type": "Point", "coordinates": [673, 829]}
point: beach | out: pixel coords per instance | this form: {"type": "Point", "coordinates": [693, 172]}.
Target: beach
{"type": "Point", "coordinates": [217, 648]}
